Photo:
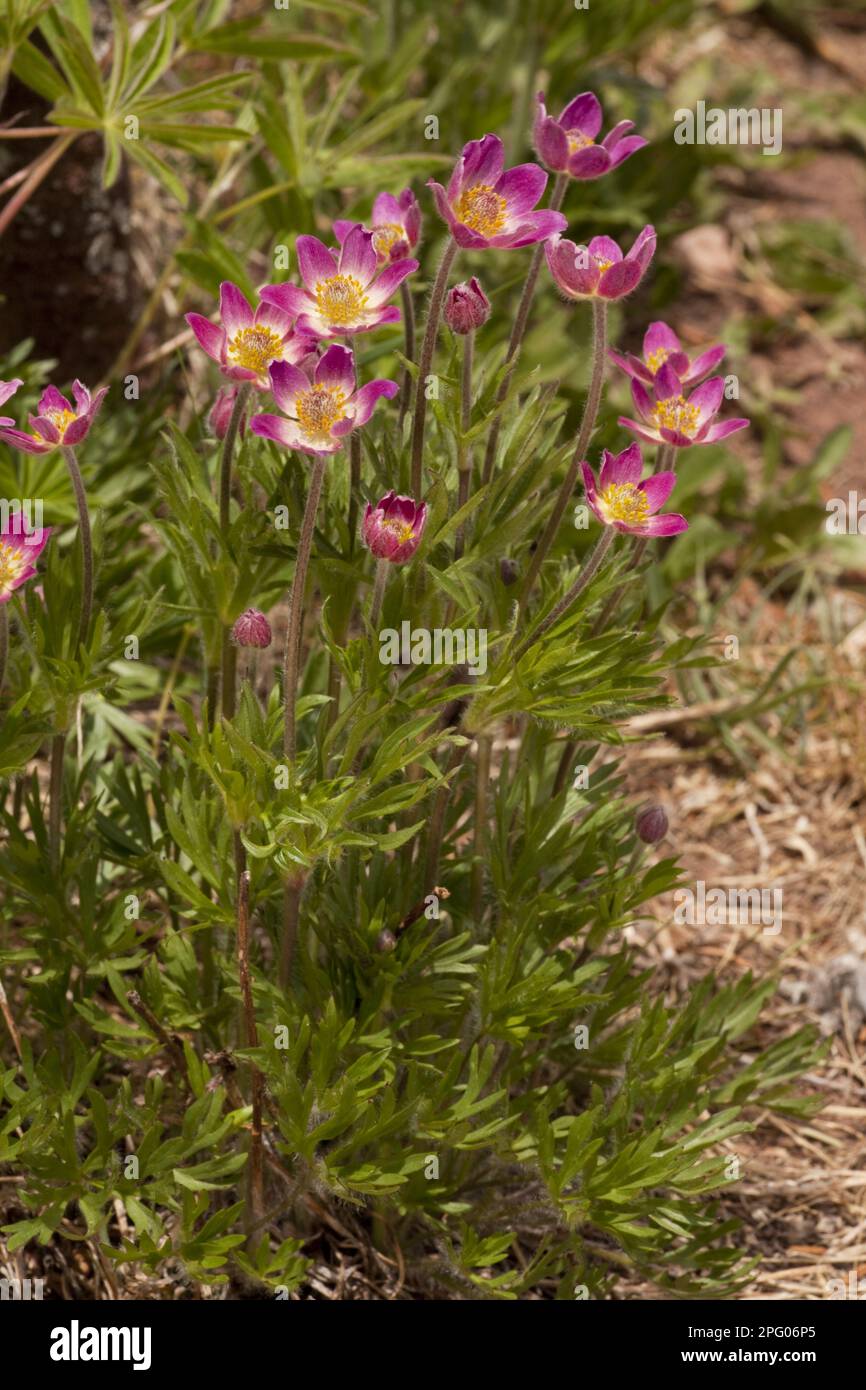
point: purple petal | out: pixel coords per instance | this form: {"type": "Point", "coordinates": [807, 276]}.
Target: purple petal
{"type": "Point", "coordinates": [619, 280]}
{"type": "Point", "coordinates": [286, 383]}
{"type": "Point", "coordinates": [631, 365]}
{"type": "Point", "coordinates": [626, 467]}
{"type": "Point", "coordinates": [614, 136]}
{"type": "Point", "coordinates": [722, 429]}
{"type": "Point", "coordinates": [315, 261]}
{"type": "Point", "coordinates": [620, 152]}
{"type": "Point", "coordinates": [603, 248]}
{"type": "Point", "coordinates": [589, 163]}
{"type": "Point", "coordinates": [549, 139]}
{"type": "Point", "coordinates": [668, 525]}
{"type": "Point", "coordinates": [358, 256]}
{"type": "Point", "coordinates": [482, 161]}
{"type": "Point", "coordinates": [658, 489]}
{"type": "Point", "coordinates": [291, 299]}
{"type": "Point", "coordinates": [365, 400]}
{"type": "Point", "coordinates": [386, 209]}
{"type": "Point", "coordinates": [591, 494]}
{"type": "Point", "coordinates": [704, 364]}
{"type": "Point", "coordinates": [659, 338]}
{"type": "Point", "coordinates": [667, 383]}
{"type": "Point", "coordinates": [707, 398]}
{"type": "Point", "coordinates": [342, 227]}
{"type": "Point", "coordinates": [285, 432]}
{"type": "Point", "coordinates": [521, 187]}
{"type": "Point", "coordinates": [51, 399]}
{"type": "Point", "coordinates": [19, 440]}
{"type": "Point", "coordinates": [390, 280]}
{"type": "Point", "coordinates": [337, 369]}
{"type": "Point", "coordinates": [8, 388]}
{"type": "Point", "coordinates": [583, 113]}
{"type": "Point", "coordinates": [643, 401]}
{"type": "Point", "coordinates": [235, 312]}
{"type": "Point", "coordinates": [641, 430]}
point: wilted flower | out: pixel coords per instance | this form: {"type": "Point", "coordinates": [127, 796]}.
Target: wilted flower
{"type": "Point", "coordinates": [395, 226]}
{"type": "Point", "coordinates": [7, 389]}
{"type": "Point", "coordinates": [569, 144]}
{"type": "Point", "coordinates": [651, 824]}
{"type": "Point", "coordinates": [252, 629]}
{"type": "Point", "coordinates": [621, 500]}
{"type": "Point", "coordinates": [466, 307]}
{"type": "Point", "coordinates": [599, 270]}
{"type": "Point", "coordinates": [508, 571]}
{"type": "Point", "coordinates": [58, 422]}
{"type": "Point", "coordinates": [221, 412]}
{"type": "Point", "coordinates": [393, 528]}
{"type": "Point", "coordinates": [661, 345]}
{"type": "Point", "coordinates": [247, 343]}
{"type": "Point", "coordinates": [19, 551]}
{"type": "Point", "coordinates": [323, 411]}
{"type": "Point", "coordinates": [487, 205]}
{"type": "Point", "coordinates": [341, 294]}
{"type": "Point", "coordinates": [667, 417]}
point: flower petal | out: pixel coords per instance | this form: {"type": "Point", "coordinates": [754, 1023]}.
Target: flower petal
{"type": "Point", "coordinates": [589, 163]}
{"type": "Point", "coordinates": [391, 278]}
{"type": "Point", "coordinates": [707, 398]}
{"type": "Point", "coordinates": [704, 364]}
{"type": "Point", "coordinates": [286, 383]}
{"type": "Point", "coordinates": [291, 299]}
{"type": "Point", "coordinates": [276, 427]}
{"type": "Point", "coordinates": [521, 187]}
{"type": "Point", "coordinates": [657, 489]}
{"type": "Point", "coordinates": [583, 113]}
{"type": "Point", "coordinates": [590, 491]}
{"type": "Point", "coordinates": [358, 256]}
{"type": "Point", "coordinates": [365, 400]}
{"type": "Point", "coordinates": [315, 261]}
{"type": "Point", "coordinates": [625, 467]}
{"type": "Point", "coordinates": [668, 525]}
{"type": "Point", "coordinates": [337, 369]}
{"type": "Point", "coordinates": [235, 312]}
{"type": "Point", "coordinates": [722, 429]}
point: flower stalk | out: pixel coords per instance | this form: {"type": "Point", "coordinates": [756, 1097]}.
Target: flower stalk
{"type": "Point", "coordinates": [427, 347]}
{"type": "Point", "coordinates": [587, 425]}
{"type": "Point", "coordinates": [464, 450]}
{"type": "Point", "coordinates": [86, 545]}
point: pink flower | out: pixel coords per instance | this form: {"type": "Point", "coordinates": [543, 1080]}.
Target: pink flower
{"type": "Point", "coordinates": [599, 270]}
{"type": "Point", "coordinates": [661, 345]}
{"type": "Point", "coordinates": [621, 500]}
{"type": "Point", "coordinates": [221, 411]}
{"type": "Point", "coordinates": [19, 551]}
{"type": "Point", "coordinates": [667, 417]}
{"type": "Point", "coordinates": [323, 411]}
{"type": "Point", "coordinates": [568, 145]}
{"type": "Point", "coordinates": [395, 226]}
{"type": "Point", "coordinates": [58, 423]}
{"type": "Point", "coordinates": [393, 528]}
{"type": "Point", "coordinates": [341, 294]}
{"type": "Point", "coordinates": [247, 343]}
{"type": "Point", "coordinates": [252, 629]}
{"type": "Point", "coordinates": [487, 205]}
{"type": "Point", "coordinates": [466, 307]}
{"type": "Point", "coordinates": [7, 389]}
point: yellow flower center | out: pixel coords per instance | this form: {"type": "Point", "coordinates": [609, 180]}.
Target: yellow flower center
{"type": "Point", "coordinates": [61, 418]}
{"type": "Point", "coordinates": [385, 237]}
{"type": "Point", "coordinates": [481, 210]}
{"type": "Point", "coordinates": [403, 530]}
{"type": "Point", "coordinates": [624, 502]}
{"type": "Point", "coordinates": [675, 414]}
{"type": "Point", "coordinates": [657, 359]}
{"type": "Point", "coordinates": [341, 299]}
{"type": "Point", "coordinates": [12, 562]}
{"type": "Point", "coordinates": [255, 348]}
{"type": "Point", "coordinates": [602, 264]}
{"type": "Point", "coordinates": [319, 409]}
{"type": "Point", "coordinates": [577, 141]}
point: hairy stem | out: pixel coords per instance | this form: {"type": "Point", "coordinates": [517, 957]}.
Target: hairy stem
{"type": "Point", "coordinates": [464, 450]}
{"type": "Point", "coordinates": [296, 606]}
{"type": "Point", "coordinates": [433, 316]}
{"type": "Point", "coordinates": [378, 591]}
{"type": "Point", "coordinates": [255, 1202]}
{"type": "Point", "coordinates": [587, 425]}
{"type": "Point", "coordinates": [86, 545]}
{"type": "Point", "coordinates": [228, 654]}
{"type": "Point", "coordinates": [4, 641]}
{"type": "Point", "coordinates": [409, 348]}
{"type": "Point", "coordinates": [482, 777]}
{"type": "Point", "coordinates": [519, 329]}
{"type": "Point", "coordinates": [589, 569]}
{"type": "Point", "coordinates": [354, 487]}
{"type": "Point", "coordinates": [55, 800]}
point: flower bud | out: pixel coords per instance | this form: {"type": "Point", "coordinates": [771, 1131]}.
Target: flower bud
{"type": "Point", "coordinates": [252, 629]}
{"type": "Point", "coordinates": [467, 307]}
{"type": "Point", "coordinates": [221, 412]}
{"type": "Point", "coordinates": [393, 528]}
{"type": "Point", "coordinates": [386, 941]}
{"type": "Point", "coordinates": [651, 824]}
{"type": "Point", "coordinates": [507, 571]}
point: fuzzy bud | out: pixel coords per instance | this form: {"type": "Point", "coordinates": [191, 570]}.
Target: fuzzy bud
{"type": "Point", "coordinates": [386, 941]}
{"type": "Point", "coordinates": [507, 571]}
{"type": "Point", "coordinates": [252, 629]}
{"type": "Point", "coordinates": [651, 824]}
{"type": "Point", "coordinates": [467, 307]}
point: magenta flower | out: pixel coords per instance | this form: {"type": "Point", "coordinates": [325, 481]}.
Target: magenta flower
{"type": "Point", "coordinates": [466, 307]}
{"type": "Point", "coordinates": [247, 343]}
{"type": "Point", "coordinates": [341, 294]}
{"type": "Point", "coordinates": [252, 629]}
{"type": "Point", "coordinates": [487, 205]}
{"type": "Point", "coordinates": [569, 144]}
{"type": "Point", "coordinates": [58, 423]}
{"type": "Point", "coordinates": [599, 270]}
{"type": "Point", "coordinates": [7, 389]}
{"type": "Point", "coordinates": [323, 411]}
{"type": "Point", "coordinates": [395, 226]}
{"type": "Point", "coordinates": [621, 500]}
{"type": "Point", "coordinates": [393, 528]}
{"type": "Point", "coordinates": [667, 417]}
{"type": "Point", "coordinates": [661, 345]}
{"type": "Point", "coordinates": [19, 551]}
